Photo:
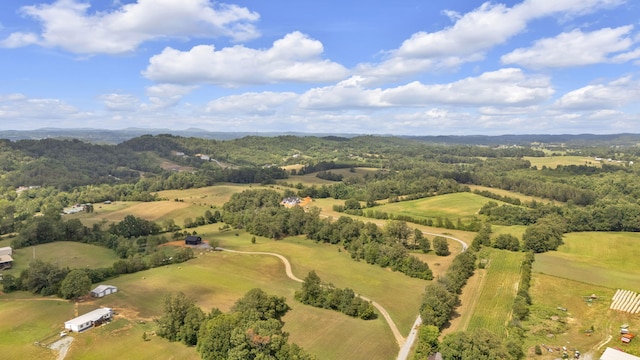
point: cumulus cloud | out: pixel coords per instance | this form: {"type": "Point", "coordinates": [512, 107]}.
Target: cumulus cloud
{"type": "Point", "coordinates": [67, 24]}
{"type": "Point", "coordinates": [576, 48]}
{"type": "Point", "coordinates": [508, 86]}
{"type": "Point", "coordinates": [471, 36]}
{"type": "Point", "coordinates": [294, 58]}
{"type": "Point", "coordinates": [614, 94]}
{"type": "Point", "coordinates": [264, 103]}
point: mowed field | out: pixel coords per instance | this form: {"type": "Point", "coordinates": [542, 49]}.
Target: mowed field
{"type": "Point", "coordinates": [311, 179]}
{"type": "Point", "coordinates": [218, 279]}
{"type": "Point", "coordinates": [63, 254]}
{"type": "Point", "coordinates": [452, 206]}
{"type": "Point", "coordinates": [488, 298]}
{"type": "Point", "coordinates": [554, 161]}
{"type": "Point", "coordinates": [599, 258]}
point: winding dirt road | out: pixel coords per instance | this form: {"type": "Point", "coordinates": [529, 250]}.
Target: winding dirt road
{"type": "Point", "coordinates": [287, 266]}
{"type": "Point", "coordinates": [404, 343]}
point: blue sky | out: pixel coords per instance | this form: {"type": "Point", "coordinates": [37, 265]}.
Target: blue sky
{"type": "Point", "coordinates": [409, 67]}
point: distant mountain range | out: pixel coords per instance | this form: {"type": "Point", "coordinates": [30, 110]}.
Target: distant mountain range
{"type": "Point", "coordinates": [117, 136]}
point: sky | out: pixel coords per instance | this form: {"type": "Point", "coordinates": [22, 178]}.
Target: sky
{"type": "Point", "coordinates": [405, 67]}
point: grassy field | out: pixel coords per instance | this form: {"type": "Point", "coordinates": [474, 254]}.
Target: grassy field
{"type": "Point", "coordinates": [604, 259]}
{"type": "Point", "coordinates": [24, 321]}
{"type": "Point", "coordinates": [500, 284]}
{"type": "Point", "coordinates": [311, 179]}
{"type": "Point", "coordinates": [452, 206]}
{"type": "Point", "coordinates": [63, 253]}
{"type": "Point", "coordinates": [554, 161]}
{"type": "Point", "coordinates": [548, 293]}
{"type": "Point", "coordinates": [512, 194]}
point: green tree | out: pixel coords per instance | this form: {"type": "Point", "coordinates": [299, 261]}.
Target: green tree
{"type": "Point", "coordinates": [427, 341]}
{"type": "Point", "coordinates": [441, 246]}
{"type": "Point", "coordinates": [477, 345]}
{"type": "Point", "coordinates": [75, 284]}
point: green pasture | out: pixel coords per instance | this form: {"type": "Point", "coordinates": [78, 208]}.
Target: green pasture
{"type": "Point", "coordinates": [64, 254]}
{"type": "Point", "coordinates": [549, 293]}
{"type": "Point", "coordinates": [554, 161]}
{"type": "Point", "coordinates": [207, 196]}
{"type": "Point", "coordinates": [606, 259]}
{"type": "Point", "coordinates": [492, 310]}
{"type": "Point", "coordinates": [515, 230]}
{"type": "Point", "coordinates": [25, 320]}
{"type": "Point", "coordinates": [511, 194]}
{"type": "Point", "coordinates": [462, 205]}
{"type": "Point", "coordinates": [398, 293]}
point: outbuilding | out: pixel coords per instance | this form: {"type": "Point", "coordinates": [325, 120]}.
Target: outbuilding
{"type": "Point", "coordinates": [614, 354]}
{"type": "Point", "coordinates": [193, 240]}
{"type": "Point", "coordinates": [90, 319]}
{"type": "Point", "coordinates": [103, 290]}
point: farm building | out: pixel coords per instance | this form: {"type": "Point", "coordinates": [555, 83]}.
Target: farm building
{"type": "Point", "coordinates": [90, 319]}
{"type": "Point", "coordinates": [7, 250]}
{"type": "Point", "coordinates": [6, 261]}
{"type": "Point", "coordinates": [290, 201]}
{"type": "Point", "coordinates": [613, 354]}
{"type": "Point", "coordinates": [193, 240]}
{"type": "Point", "coordinates": [103, 290]}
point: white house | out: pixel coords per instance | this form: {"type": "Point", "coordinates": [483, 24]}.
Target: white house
{"type": "Point", "coordinates": [6, 251]}
{"type": "Point", "coordinates": [613, 354]}
{"type": "Point", "coordinates": [103, 290]}
{"type": "Point", "coordinates": [90, 319]}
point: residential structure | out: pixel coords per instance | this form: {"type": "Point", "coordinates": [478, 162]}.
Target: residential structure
{"type": "Point", "coordinates": [94, 318]}
{"type": "Point", "coordinates": [103, 290]}
{"type": "Point", "coordinates": [614, 354]}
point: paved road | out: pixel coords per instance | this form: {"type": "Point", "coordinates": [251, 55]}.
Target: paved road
{"type": "Point", "coordinates": [287, 265]}
{"type": "Point", "coordinates": [405, 348]}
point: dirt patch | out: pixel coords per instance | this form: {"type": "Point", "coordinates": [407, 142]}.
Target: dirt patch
{"type": "Point", "coordinates": [61, 347]}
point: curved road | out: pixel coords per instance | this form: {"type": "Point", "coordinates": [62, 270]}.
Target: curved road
{"type": "Point", "coordinates": [405, 348]}
{"type": "Point", "coordinates": [405, 344]}
{"type": "Point", "coordinates": [287, 266]}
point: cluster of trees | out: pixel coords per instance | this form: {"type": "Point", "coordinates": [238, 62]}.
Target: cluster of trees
{"type": "Point", "coordinates": [523, 299]}
{"type": "Point", "coordinates": [259, 212]}
{"type": "Point", "coordinates": [441, 297]}
{"type": "Point", "coordinates": [316, 293]}
{"type": "Point", "coordinates": [252, 330]}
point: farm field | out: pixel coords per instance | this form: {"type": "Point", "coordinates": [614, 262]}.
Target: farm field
{"type": "Point", "coordinates": [554, 161]}
{"type": "Point", "coordinates": [218, 279]}
{"type": "Point", "coordinates": [512, 194]}
{"type": "Point", "coordinates": [500, 281]}
{"type": "Point", "coordinates": [598, 258]}
{"type": "Point", "coordinates": [452, 206]}
{"type": "Point", "coordinates": [63, 253]}
{"type": "Point", "coordinates": [311, 179]}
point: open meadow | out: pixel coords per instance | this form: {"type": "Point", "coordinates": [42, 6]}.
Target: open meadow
{"type": "Point", "coordinates": [463, 206]}
{"type": "Point", "coordinates": [600, 258]}
{"type": "Point", "coordinates": [554, 161]}
{"type": "Point", "coordinates": [487, 299]}
{"type": "Point", "coordinates": [63, 253]}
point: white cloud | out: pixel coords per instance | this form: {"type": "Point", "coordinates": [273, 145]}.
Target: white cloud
{"type": "Point", "coordinates": [264, 103]}
{"type": "Point", "coordinates": [471, 36]}
{"type": "Point", "coordinates": [120, 102]}
{"type": "Point", "coordinates": [614, 94]}
{"type": "Point", "coordinates": [575, 48]}
{"type": "Point", "coordinates": [166, 95]}
{"type": "Point", "coordinates": [349, 93]}
{"type": "Point", "coordinates": [510, 87]}
{"type": "Point", "coordinates": [67, 24]}
{"type": "Point", "coordinates": [294, 58]}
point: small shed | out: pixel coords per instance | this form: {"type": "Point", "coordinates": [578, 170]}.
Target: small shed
{"type": "Point", "coordinates": [90, 319]}
{"type": "Point", "coordinates": [615, 354]}
{"type": "Point", "coordinates": [103, 290]}
{"type": "Point", "coordinates": [193, 240]}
